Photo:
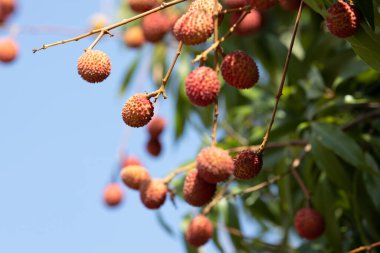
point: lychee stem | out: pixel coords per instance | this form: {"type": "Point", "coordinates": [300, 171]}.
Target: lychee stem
{"type": "Point", "coordinates": [218, 196]}
{"type": "Point", "coordinates": [216, 68]}
{"type": "Point", "coordinates": [106, 29]}
{"type": "Point", "coordinates": [282, 83]}
{"type": "Point", "coordinates": [215, 123]}
{"type": "Point", "coordinates": [177, 171]}
{"type": "Point", "coordinates": [239, 9]}
{"type": "Point", "coordinates": [367, 248]}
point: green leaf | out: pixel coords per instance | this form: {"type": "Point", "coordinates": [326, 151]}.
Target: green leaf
{"type": "Point", "coordinates": [129, 75]}
{"type": "Point", "coordinates": [163, 223]}
{"type": "Point", "coordinates": [367, 11]}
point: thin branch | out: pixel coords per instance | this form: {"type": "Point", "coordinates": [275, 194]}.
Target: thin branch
{"type": "Point", "coordinates": [270, 145]}
{"type": "Point", "coordinates": [218, 197]}
{"type": "Point", "coordinates": [365, 248]}
{"type": "Point", "coordinates": [161, 90]}
{"type": "Point", "coordinates": [239, 9]}
{"type": "Point", "coordinates": [215, 123]}
{"type": "Point", "coordinates": [361, 118]}
{"type": "Point", "coordinates": [179, 170]}
{"type": "Point", "coordinates": [285, 70]}
{"type": "Point", "coordinates": [110, 27]}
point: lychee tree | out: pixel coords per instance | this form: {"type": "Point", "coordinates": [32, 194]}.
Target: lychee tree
{"type": "Point", "coordinates": [289, 92]}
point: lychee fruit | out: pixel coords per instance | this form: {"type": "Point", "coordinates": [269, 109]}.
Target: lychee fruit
{"type": "Point", "coordinates": [247, 164]}
{"type": "Point", "coordinates": [202, 86]}
{"type": "Point", "coordinates": [156, 126]}
{"type": "Point", "coordinates": [153, 193]}
{"type": "Point", "coordinates": [205, 5]}
{"type": "Point", "coordinates": [342, 19]}
{"type": "Point", "coordinates": [142, 5]}
{"type": "Point", "coordinates": [98, 20]}
{"type": "Point", "coordinates": [113, 194]}
{"type": "Point", "coordinates": [290, 5]}
{"type": "Point", "coordinates": [251, 23]}
{"type": "Point", "coordinates": [154, 146]}
{"type": "Point", "coordinates": [196, 191]}
{"type": "Point", "coordinates": [199, 231]}
{"type": "Point", "coordinates": [239, 70]}
{"type": "Point", "coordinates": [134, 37]}
{"type": "Point", "coordinates": [94, 66]}
{"type": "Point", "coordinates": [134, 175]}
{"type": "Point", "coordinates": [155, 26]}
{"type": "Point", "coordinates": [8, 50]}
{"type": "Point", "coordinates": [7, 7]}
{"type": "Point", "coordinates": [262, 5]}
{"type": "Point", "coordinates": [214, 164]}
{"type": "Point", "coordinates": [130, 160]}
{"type": "Point", "coordinates": [194, 27]}
{"type": "Point", "coordinates": [137, 111]}
{"type": "Point", "coordinates": [309, 223]}
{"type": "Point", "coordinates": [235, 3]}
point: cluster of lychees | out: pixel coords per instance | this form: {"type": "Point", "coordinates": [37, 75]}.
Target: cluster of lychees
{"type": "Point", "coordinates": [8, 45]}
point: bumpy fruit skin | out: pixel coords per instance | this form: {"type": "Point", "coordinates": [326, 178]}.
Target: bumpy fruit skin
{"type": "Point", "coordinates": [137, 111]}
{"type": "Point", "coordinates": [199, 231]}
{"type": "Point", "coordinates": [247, 164]}
{"type": "Point", "coordinates": [156, 126]}
{"type": "Point", "coordinates": [134, 175]}
{"type": "Point", "coordinates": [262, 5]}
{"type": "Point", "coordinates": [235, 3]}
{"type": "Point", "coordinates": [214, 164]}
{"type": "Point", "coordinates": [290, 5]}
{"type": "Point", "coordinates": [309, 223]}
{"type": "Point", "coordinates": [250, 24]}
{"type": "Point", "coordinates": [239, 70]}
{"type": "Point", "coordinates": [342, 19]}
{"type": "Point", "coordinates": [142, 5]}
{"type": "Point", "coordinates": [153, 193]}
{"type": "Point", "coordinates": [113, 194]}
{"type": "Point", "coordinates": [194, 27]}
{"type": "Point", "coordinates": [134, 37]}
{"type": "Point", "coordinates": [155, 26]}
{"type": "Point", "coordinates": [202, 86]}
{"type": "Point", "coordinates": [8, 50]}
{"type": "Point", "coordinates": [130, 160]}
{"type": "Point", "coordinates": [94, 66]}
{"type": "Point", "coordinates": [154, 146]}
{"type": "Point", "coordinates": [205, 5]}
{"type": "Point", "coordinates": [196, 191]}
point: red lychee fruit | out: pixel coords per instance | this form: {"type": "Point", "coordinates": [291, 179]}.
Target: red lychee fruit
{"type": "Point", "coordinates": [214, 164]}
{"type": "Point", "coordinates": [7, 7]}
{"type": "Point", "coordinates": [196, 191]}
{"type": "Point", "coordinates": [130, 160]}
{"type": "Point", "coordinates": [342, 19]}
{"type": "Point", "coordinates": [142, 5]}
{"type": "Point", "coordinates": [134, 175]}
{"type": "Point", "coordinates": [262, 5]}
{"type": "Point", "coordinates": [134, 37]}
{"type": "Point", "coordinates": [290, 5]}
{"type": "Point", "coordinates": [137, 111]}
{"type": "Point", "coordinates": [239, 70]}
{"type": "Point", "coordinates": [205, 5]}
{"type": "Point", "coordinates": [202, 86]}
{"type": "Point", "coordinates": [153, 193]}
{"type": "Point", "coordinates": [94, 66]}
{"type": "Point", "coordinates": [155, 26]}
{"type": "Point", "coordinates": [250, 24]}
{"type": "Point", "coordinates": [199, 231]}
{"type": "Point", "coordinates": [8, 50]}
{"type": "Point", "coordinates": [235, 3]}
{"type": "Point", "coordinates": [156, 126]}
{"type": "Point", "coordinates": [113, 194]}
{"type": "Point", "coordinates": [194, 27]}
{"type": "Point", "coordinates": [154, 146]}
{"type": "Point", "coordinates": [309, 223]}
{"type": "Point", "coordinates": [247, 164]}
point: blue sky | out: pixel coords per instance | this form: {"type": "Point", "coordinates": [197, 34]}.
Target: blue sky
{"type": "Point", "coordinates": [59, 141]}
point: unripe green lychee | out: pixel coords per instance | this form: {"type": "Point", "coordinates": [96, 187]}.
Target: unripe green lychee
{"type": "Point", "coordinates": [138, 111]}
{"type": "Point", "coordinates": [309, 223]}
{"type": "Point", "coordinates": [199, 231]}
{"type": "Point", "coordinates": [134, 37]}
{"type": "Point", "coordinates": [214, 164]}
{"type": "Point", "coordinates": [342, 19]}
{"type": "Point", "coordinates": [112, 195]}
{"type": "Point", "coordinates": [247, 164]}
{"type": "Point", "coordinates": [235, 3]}
{"type": "Point", "coordinates": [142, 5]}
{"type": "Point", "coordinates": [94, 66]}
{"type": "Point", "coordinates": [154, 146]}
{"type": "Point", "coordinates": [134, 175]}
{"type": "Point", "coordinates": [194, 27]}
{"type": "Point", "coordinates": [290, 5]}
{"type": "Point", "coordinates": [239, 70]}
{"type": "Point", "coordinates": [153, 193]}
{"type": "Point", "coordinates": [156, 126]}
{"type": "Point", "coordinates": [155, 26]}
{"type": "Point", "coordinates": [8, 50]}
{"type": "Point", "coordinates": [202, 86]}
{"type": "Point", "coordinates": [196, 191]}
{"type": "Point", "coordinates": [250, 24]}
{"type": "Point", "coordinates": [262, 5]}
